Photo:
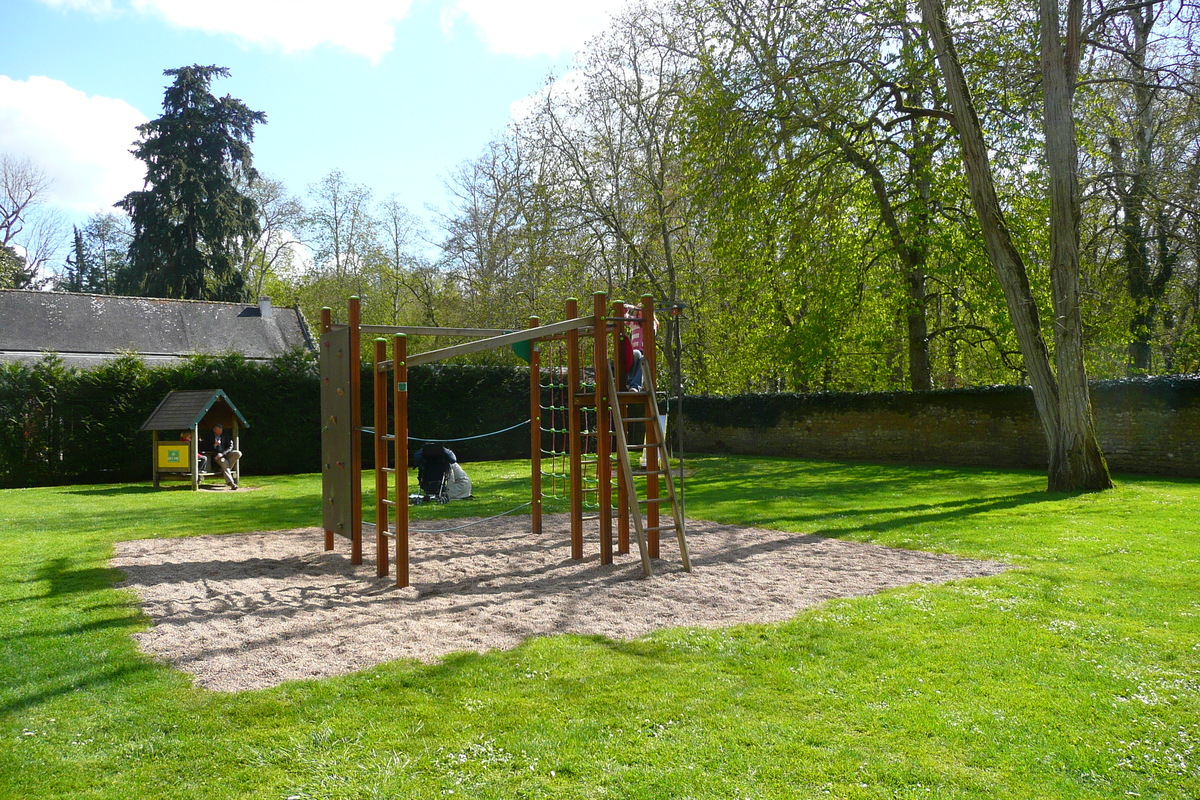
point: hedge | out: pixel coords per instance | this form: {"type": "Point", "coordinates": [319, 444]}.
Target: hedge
{"type": "Point", "coordinates": [66, 425]}
{"type": "Point", "coordinates": [763, 411]}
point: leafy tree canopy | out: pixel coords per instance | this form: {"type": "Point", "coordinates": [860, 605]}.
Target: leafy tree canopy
{"type": "Point", "coordinates": [13, 272]}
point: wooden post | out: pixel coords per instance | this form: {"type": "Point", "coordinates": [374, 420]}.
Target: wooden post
{"type": "Point", "coordinates": [652, 486]}
{"type": "Point", "coordinates": [574, 433]}
{"type": "Point", "coordinates": [154, 456]}
{"type": "Point", "coordinates": [535, 431]}
{"type": "Point", "coordinates": [603, 441]}
{"type": "Point", "coordinates": [381, 458]}
{"type": "Point", "coordinates": [618, 310]}
{"type": "Point", "coordinates": [326, 327]}
{"type": "Point", "coordinates": [237, 445]}
{"type": "Point", "coordinates": [195, 450]}
{"type": "Point", "coordinates": [400, 428]}
{"type": "Point", "coordinates": [355, 354]}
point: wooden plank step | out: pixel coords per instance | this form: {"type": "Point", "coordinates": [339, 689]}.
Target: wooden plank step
{"type": "Point", "coordinates": [654, 500]}
{"type": "Point", "coordinates": [641, 473]}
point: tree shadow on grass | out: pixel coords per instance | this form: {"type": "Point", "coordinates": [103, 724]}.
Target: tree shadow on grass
{"type": "Point", "coordinates": [121, 490]}
{"type": "Point", "coordinates": [96, 681]}
{"type": "Point", "coordinates": [925, 513]}
{"type": "Point", "coordinates": [61, 578]}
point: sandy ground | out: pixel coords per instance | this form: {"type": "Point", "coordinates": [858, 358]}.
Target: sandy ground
{"type": "Point", "coordinates": [248, 611]}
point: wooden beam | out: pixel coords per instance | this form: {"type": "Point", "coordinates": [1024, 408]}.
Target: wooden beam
{"type": "Point", "coordinates": [355, 465]}
{"type": "Point", "coordinates": [326, 327]}
{"type": "Point", "coordinates": [535, 433]}
{"type": "Point", "coordinates": [414, 330]}
{"type": "Point", "coordinates": [650, 353]}
{"type": "Point", "coordinates": [400, 453]}
{"type": "Point", "coordinates": [500, 341]}
{"type": "Point", "coordinates": [381, 458]}
{"type": "Point", "coordinates": [603, 440]}
{"type": "Point", "coordinates": [574, 433]}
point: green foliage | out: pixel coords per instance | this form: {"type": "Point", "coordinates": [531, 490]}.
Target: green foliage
{"type": "Point", "coordinates": [767, 410]}
{"type": "Point", "coordinates": [33, 430]}
{"type": "Point", "coordinates": [59, 425]}
{"type": "Point", "coordinates": [454, 401]}
{"type": "Point", "coordinates": [14, 273]}
{"type": "Point", "coordinates": [190, 225]}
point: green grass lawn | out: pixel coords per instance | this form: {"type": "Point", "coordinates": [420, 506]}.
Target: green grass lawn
{"type": "Point", "coordinates": [1074, 675]}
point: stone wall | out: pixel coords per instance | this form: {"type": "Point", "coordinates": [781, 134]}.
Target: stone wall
{"type": "Point", "coordinates": [1147, 426]}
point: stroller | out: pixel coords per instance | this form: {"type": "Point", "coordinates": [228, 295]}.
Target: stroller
{"type": "Point", "coordinates": [433, 465]}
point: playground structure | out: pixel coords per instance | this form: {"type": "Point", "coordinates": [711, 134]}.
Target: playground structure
{"type": "Point", "coordinates": [587, 424]}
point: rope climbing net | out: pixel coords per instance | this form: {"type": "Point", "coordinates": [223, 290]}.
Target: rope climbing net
{"type": "Point", "coordinates": [555, 421]}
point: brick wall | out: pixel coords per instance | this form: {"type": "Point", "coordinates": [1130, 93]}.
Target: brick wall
{"type": "Point", "coordinates": [1145, 426]}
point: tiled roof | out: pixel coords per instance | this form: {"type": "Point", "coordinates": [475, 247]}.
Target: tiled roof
{"type": "Point", "coordinates": [185, 408]}
{"type": "Point", "coordinates": [86, 329]}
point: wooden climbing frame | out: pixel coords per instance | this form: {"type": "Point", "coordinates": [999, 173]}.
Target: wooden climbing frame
{"type": "Point", "coordinates": [597, 416]}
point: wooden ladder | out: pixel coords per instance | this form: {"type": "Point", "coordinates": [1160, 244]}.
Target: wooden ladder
{"type": "Point", "coordinates": [658, 465]}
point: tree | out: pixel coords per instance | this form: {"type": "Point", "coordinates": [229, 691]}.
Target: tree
{"type": "Point", "coordinates": [1064, 407]}
{"type": "Point", "coordinates": [339, 227]}
{"type": "Point", "coordinates": [30, 235]}
{"type": "Point", "coordinates": [23, 186]}
{"type": "Point", "coordinates": [12, 269]}
{"type": "Point", "coordinates": [192, 223]}
{"type": "Point", "coordinates": [280, 218]}
{"type": "Point", "coordinates": [79, 273]}
{"type": "Point", "coordinates": [107, 238]}
{"type": "Point", "coordinates": [401, 276]}
{"type": "Point", "coordinates": [1142, 143]}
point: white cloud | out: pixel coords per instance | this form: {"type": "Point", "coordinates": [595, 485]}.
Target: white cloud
{"type": "Point", "coordinates": [363, 27]}
{"type": "Point", "coordinates": [81, 141]}
{"type": "Point", "coordinates": [533, 27]}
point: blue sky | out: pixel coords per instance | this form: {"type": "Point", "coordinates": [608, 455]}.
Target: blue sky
{"type": "Point", "coordinates": [394, 93]}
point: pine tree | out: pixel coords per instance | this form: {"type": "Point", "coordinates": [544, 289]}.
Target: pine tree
{"type": "Point", "coordinates": [191, 223]}
{"type": "Point", "coordinates": [75, 274]}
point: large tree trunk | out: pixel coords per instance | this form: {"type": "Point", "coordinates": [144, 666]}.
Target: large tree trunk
{"type": "Point", "coordinates": [1064, 409]}
{"type": "Point", "coordinates": [1075, 458]}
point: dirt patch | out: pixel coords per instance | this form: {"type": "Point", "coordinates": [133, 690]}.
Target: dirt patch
{"type": "Point", "coordinates": [248, 611]}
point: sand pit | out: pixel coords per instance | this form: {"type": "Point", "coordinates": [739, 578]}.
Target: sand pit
{"type": "Point", "coordinates": [249, 611]}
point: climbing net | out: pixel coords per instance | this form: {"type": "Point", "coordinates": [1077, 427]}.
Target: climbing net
{"type": "Point", "coordinates": [555, 421]}
{"type": "Point", "coordinates": [556, 403]}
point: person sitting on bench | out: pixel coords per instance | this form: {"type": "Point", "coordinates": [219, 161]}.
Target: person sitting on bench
{"type": "Point", "coordinates": [217, 448]}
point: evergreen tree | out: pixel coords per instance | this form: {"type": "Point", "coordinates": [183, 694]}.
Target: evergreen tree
{"type": "Point", "coordinates": [74, 277]}
{"type": "Point", "coordinates": [191, 223]}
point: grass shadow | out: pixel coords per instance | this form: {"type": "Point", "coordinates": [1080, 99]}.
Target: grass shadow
{"type": "Point", "coordinates": [120, 490]}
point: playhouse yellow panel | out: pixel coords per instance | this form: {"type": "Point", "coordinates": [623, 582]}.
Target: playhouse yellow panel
{"type": "Point", "coordinates": [173, 456]}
